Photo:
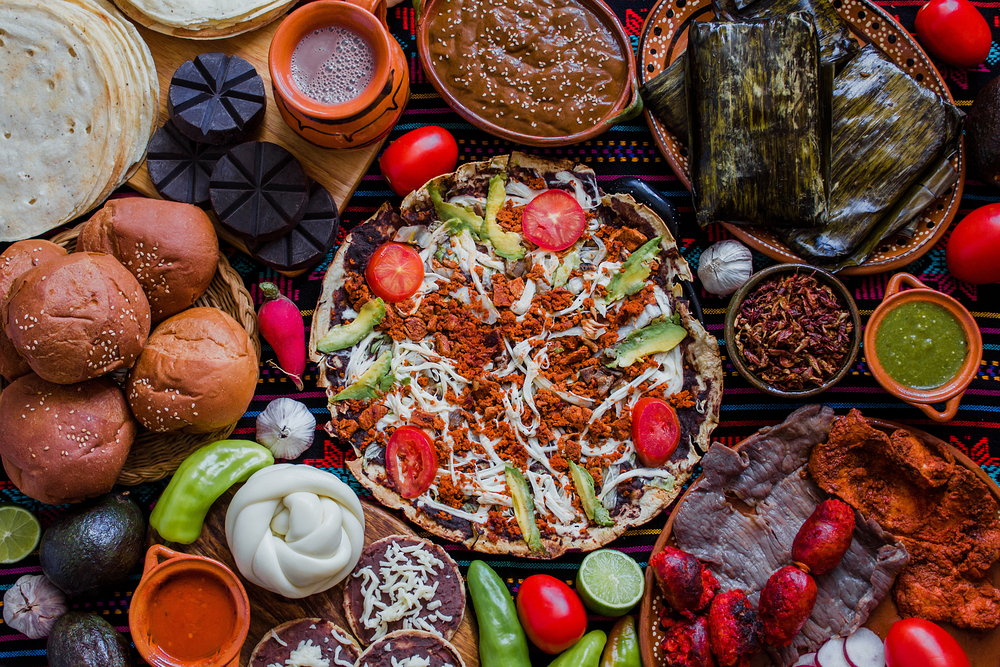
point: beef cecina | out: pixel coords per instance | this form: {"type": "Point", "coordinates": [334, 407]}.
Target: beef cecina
{"type": "Point", "coordinates": [940, 510]}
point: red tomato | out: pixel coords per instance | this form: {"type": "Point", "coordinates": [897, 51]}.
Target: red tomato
{"type": "Point", "coordinates": [551, 614]}
{"type": "Point", "coordinates": [655, 431]}
{"type": "Point", "coordinates": [954, 31]}
{"type": "Point", "coordinates": [394, 272]}
{"type": "Point", "coordinates": [553, 220]}
{"type": "Point", "coordinates": [417, 157]}
{"type": "Point", "coordinates": [411, 461]}
{"type": "Point", "coordinates": [914, 642]}
{"type": "Point", "coordinates": [973, 246]}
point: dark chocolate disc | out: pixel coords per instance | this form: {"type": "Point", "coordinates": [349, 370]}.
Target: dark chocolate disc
{"type": "Point", "coordinates": [217, 99]}
{"type": "Point", "coordinates": [259, 191]}
{"type": "Point", "coordinates": [179, 167]}
{"type": "Point", "coordinates": [309, 241]}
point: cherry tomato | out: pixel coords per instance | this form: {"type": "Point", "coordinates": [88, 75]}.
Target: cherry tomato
{"type": "Point", "coordinates": [655, 431]}
{"type": "Point", "coordinates": [973, 245]}
{"type": "Point", "coordinates": [553, 220]}
{"type": "Point", "coordinates": [914, 642]}
{"type": "Point", "coordinates": [551, 614]}
{"type": "Point", "coordinates": [411, 461]}
{"type": "Point", "coordinates": [954, 31]}
{"type": "Point", "coordinates": [417, 157]}
{"type": "Point", "coordinates": [394, 272]}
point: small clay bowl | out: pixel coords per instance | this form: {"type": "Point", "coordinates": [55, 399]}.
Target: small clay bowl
{"type": "Point", "coordinates": [750, 286]}
{"type": "Point", "coordinates": [951, 392]}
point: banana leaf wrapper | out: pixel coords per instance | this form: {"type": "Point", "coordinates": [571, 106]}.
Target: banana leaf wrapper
{"type": "Point", "coordinates": [889, 136]}
{"type": "Point", "coordinates": [757, 124]}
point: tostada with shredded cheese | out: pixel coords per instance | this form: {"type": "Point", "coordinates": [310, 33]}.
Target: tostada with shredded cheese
{"type": "Point", "coordinates": [411, 648]}
{"type": "Point", "coordinates": [509, 357]}
{"type": "Point", "coordinates": [305, 642]}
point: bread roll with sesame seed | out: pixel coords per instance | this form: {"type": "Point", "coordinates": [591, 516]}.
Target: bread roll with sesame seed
{"type": "Point", "coordinates": [170, 247]}
{"type": "Point", "coordinates": [197, 373]}
{"type": "Point", "coordinates": [63, 443]}
{"type": "Point", "coordinates": [15, 260]}
{"type": "Point", "coordinates": [77, 317]}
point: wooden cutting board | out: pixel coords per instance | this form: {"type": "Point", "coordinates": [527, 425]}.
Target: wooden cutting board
{"type": "Point", "coordinates": [268, 609]}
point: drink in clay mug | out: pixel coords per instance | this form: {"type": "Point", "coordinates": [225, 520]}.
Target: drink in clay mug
{"type": "Point", "coordinates": [340, 79]}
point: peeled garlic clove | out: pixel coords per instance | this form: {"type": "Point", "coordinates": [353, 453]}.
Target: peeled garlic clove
{"type": "Point", "coordinates": [286, 427]}
{"type": "Point", "coordinates": [32, 605]}
{"type": "Point", "coordinates": [724, 267]}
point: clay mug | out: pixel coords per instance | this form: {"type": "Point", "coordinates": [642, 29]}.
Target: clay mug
{"type": "Point", "coordinates": [370, 116]}
{"type": "Point", "coordinates": [163, 564]}
{"type": "Point", "coordinates": [951, 392]}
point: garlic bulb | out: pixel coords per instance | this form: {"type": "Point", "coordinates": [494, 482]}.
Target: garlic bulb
{"type": "Point", "coordinates": [286, 427]}
{"type": "Point", "coordinates": [32, 605]}
{"type": "Point", "coordinates": [725, 266]}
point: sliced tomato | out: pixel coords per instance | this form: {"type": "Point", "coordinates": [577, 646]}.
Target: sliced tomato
{"type": "Point", "coordinates": [394, 272]}
{"type": "Point", "coordinates": [411, 461]}
{"type": "Point", "coordinates": [553, 220]}
{"type": "Point", "coordinates": [655, 431]}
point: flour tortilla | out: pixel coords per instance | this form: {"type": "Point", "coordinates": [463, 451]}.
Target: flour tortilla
{"type": "Point", "coordinates": [700, 351]}
{"type": "Point", "coordinates": [163, 15]}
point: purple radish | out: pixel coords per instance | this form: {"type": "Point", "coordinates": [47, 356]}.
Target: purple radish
{"type": "Point", "coordinates": [831, 654]}
{"type": "Point", "coordinates": [807, 660]}
{"type": "Point", "coordinates": [864, 649]}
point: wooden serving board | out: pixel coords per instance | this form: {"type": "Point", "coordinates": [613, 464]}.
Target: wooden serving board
{"type": "Point", "coordinates": [339, 171]}
{"type": "Point", "coordinates": [982, 648]}
{"type": "Point", "coordinates": [268, 609]}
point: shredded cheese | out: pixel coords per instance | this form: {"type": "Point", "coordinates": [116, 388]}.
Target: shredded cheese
{"type": "Point", "coordinates": [306, 654]}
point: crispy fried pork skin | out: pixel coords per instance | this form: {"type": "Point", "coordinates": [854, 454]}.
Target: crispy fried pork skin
{"type": "Point", "coordinates": [734, 628]}
{"type": "Point", "coordinates": [825, 537]}
{"type": "Point", "coordinates": [685, 642]}
{"type": "Point", "coordinates": [687, 585]}
{"type": "Point", "coordinates": [786, 602]}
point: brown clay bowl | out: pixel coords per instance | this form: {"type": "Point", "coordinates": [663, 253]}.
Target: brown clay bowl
{"type": "Point", "coordinates": [748, 287]}
{"type": "Point", "coordinates": [628, 105]}
{"type": "Point", "coordinates": [951, 392]}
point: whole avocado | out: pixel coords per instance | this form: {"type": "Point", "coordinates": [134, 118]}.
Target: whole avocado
{"type": "Point", "coordinates": [97, 546]}
{"type": "Point", "coordinates": [982, 130]}
{"type": "Point", "coordinates": [84, 639]}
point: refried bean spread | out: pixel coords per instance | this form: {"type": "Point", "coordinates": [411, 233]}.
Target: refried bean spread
{"type": "Point", "coordinates": [543, 68]}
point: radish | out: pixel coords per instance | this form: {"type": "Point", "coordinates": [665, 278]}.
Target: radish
{"type": "Point", "coordinates": [807, 660]}
{"type": "Point", "coordinates": [831, 654]}
{"type": "Point", "coordinates": [864, 649]}
{"type": "Point", "coordinates": [282, 326]}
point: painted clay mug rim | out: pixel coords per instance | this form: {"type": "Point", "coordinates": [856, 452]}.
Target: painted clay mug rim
{"type": "Point", "coordinates": [324, 14]}
{"type": "Point", "coordinates": [161, 563]}
{"type": "Point", "coordinates": [950, 392]}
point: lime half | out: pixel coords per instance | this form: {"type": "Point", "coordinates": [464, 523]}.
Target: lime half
{"type": "Point", "coordinates": [609, 582]}
{"type": "Point", "coordinates": [19, 533]}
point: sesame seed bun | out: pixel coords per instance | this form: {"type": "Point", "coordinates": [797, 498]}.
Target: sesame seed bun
{"type": "Point", "coordinates": [77, 317]}
{"type": "Point", "coordinates": [197, 373]}
{"type": "Point", "coordinates": [15, 260]}
{"type": "Point", "coordinates": [170, 247]}
{"type": "Point", "coordinates": [63, 443]}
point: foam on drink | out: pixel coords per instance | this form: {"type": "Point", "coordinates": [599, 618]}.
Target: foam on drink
{"type": "Point", "coordinates": [333, 65]}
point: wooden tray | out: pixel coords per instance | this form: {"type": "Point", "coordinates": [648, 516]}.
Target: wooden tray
{"type": "Point", "coordinates": [981, 647]}
{"type": "Point", "coordinates": [664, 38]}
{"type": "Point", "coordinates": [268, 609]}
{"type": "Point", "coordinates": [339, 171]}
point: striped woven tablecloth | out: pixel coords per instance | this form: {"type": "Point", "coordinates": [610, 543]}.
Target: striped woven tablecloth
{"type": "Point", "coordinates": [627, 149]}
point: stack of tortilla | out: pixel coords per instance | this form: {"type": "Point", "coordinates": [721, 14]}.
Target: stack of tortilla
{"type": "Point", "coordinates": [203, 19]}
{"type": "Point", "coordinates": [79, 105]}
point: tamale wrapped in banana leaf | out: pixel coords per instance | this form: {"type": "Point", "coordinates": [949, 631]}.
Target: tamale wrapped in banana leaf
{"type": "Point", "coordinates": [664, 95]}
{"type": "Point", "coordinates": [888, 132]}
{"type": "Point", "coordinates": [757, 125]}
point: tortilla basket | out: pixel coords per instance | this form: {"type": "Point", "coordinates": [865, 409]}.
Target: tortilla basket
{"type": "Point", "coordinates": [156, 455]}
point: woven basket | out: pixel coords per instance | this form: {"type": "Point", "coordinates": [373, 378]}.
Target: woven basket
{"type": "Point", "coordinates": [156, 455]}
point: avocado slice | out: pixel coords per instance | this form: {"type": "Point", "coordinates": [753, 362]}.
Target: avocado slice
{"type": "Point", "coordinates": [373, 382]}
{"type": "Point", "coordinates": [652, 338]}
{"type": "Point", "coordinates": [631, 277]}
{"type": "Point", "coordinates": [457, 217]}
{"type": "Point", "coordinates": [524, 507]}
{"type": "Point", "coordinates": [570, 263]}
{"type": "Point", "coordinates": [345, 335]}
{"type": "Point", "coordinates": [506, 244]}
{"type": "Point", "coordinates": [596, 512]}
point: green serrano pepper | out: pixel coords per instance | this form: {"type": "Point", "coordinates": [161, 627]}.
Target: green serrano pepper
{"type": "Point", "coordinates": [501, 640]}
{"type": "Point", "coordinates": [584, 653]}
{"type": "Point", "coordinates": [622, 649]}
{"type": "Point", "coordinates": [204, 476]}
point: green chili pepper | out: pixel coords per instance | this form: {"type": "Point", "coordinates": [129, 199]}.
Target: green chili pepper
{"type": "Point", "coordinates": [622, 649]}
{"type": "Point", "coordinates": [501, 640]}
{"type": "Point", "coordinates": [584, 653]}
{"type": "Point", "coordinates": [204, 476]}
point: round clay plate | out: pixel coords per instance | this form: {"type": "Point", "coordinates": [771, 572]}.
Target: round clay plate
{"type": "Point", "coordinates": [981, 647]}
{"type": "Point", "coordinates": [664, 38]}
